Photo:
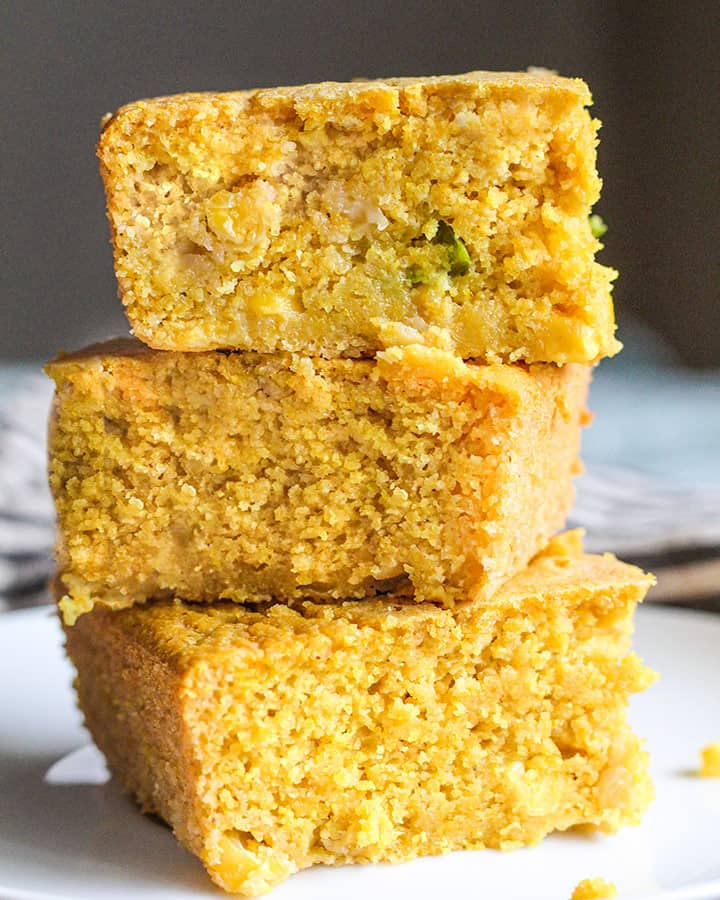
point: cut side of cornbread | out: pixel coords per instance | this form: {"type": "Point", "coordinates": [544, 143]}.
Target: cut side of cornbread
{"type": "Point", "coordinates": [340, 219]}
{"type": "Point", "coordinates": [277, 738]}
{"type": "Point", "coordinates": [253, 477]}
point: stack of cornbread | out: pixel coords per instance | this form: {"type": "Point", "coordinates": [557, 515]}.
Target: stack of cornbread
{"type": "Point", "coordinates": [306, 556]}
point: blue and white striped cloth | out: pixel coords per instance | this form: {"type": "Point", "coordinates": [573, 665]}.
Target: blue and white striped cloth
{"type": "Point", "coordinates": [633, 514]}
{"type": "Point", "coordinates": [26, 514]}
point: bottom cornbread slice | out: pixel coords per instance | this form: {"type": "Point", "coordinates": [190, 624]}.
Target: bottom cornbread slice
{"type": "Point", "coordinates": [275, 738]}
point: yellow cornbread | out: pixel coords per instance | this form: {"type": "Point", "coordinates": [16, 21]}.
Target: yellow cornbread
{"type": "Point", "coordinates": [594, 889]}
{"type": "Point", "coordinates": [276, 738]}
{"type": "Point", "coordinates": [252, 477]}
{"type": "Point", "coordinates": [339, 219]}
{"type": "Point", "coordinates": [710, 761]}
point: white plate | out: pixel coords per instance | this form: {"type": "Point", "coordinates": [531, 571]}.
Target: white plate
{"type": "Point", "coordinates": [68, 834]}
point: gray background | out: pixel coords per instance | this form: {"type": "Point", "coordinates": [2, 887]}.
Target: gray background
{"type": "Point", "coordinates": [653, 68]}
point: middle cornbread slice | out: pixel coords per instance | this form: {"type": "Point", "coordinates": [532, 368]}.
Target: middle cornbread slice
{"type": "Point", "coordinates": [251, 477]}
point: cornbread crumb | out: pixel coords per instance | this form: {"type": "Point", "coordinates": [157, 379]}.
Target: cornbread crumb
{"type": "Point", "coordinates": [327, 218]}
{"type": "Point", "coordinates": [275, 738]}
{"type": "Point", "coordinates": [594, 889]}
{"type": "Point", "coordinates": [251, 477]}
{"type": "Point", "coordinates": [710, 761]}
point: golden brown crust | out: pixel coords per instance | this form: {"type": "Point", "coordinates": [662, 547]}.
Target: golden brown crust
{"type": "Point", "coordinates": [256, 477]}
{"type": "Point", "coordinates": [372, 731]}
{"type": "Point", "coordinates": [334, 95]}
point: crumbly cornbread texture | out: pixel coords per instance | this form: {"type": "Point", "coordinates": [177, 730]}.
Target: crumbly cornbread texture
{"type": "Point", "coordinates": [594, 889]}
{"type": "Point", "coordinates": [254, 477]}
{"type": "Point", "coordinates": [710, 761]}
{"type": "Point", "coordinates": [275, 739]}
{"type": "Point", "coordinates": [339, 219]}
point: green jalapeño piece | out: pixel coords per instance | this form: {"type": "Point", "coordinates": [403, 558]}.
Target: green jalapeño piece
{"type": "Point", "coordinates": [416, 275]}
{"type": "Point", "coordinates": [458, 256]}
{"type": "Point", "coordinates": [597, 225]}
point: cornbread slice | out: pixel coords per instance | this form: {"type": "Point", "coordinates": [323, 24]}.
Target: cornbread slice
{"type": "Point", "coordinates": [253, 477]}
{"type": "Point", "coordinates": [339, 219]}
{"type": "Point", "coordinates": [275, 739]}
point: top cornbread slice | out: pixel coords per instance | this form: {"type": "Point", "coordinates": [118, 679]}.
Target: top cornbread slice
{"type": "Point", "coordinates": [256, 477]}
{"type": "Point", "coordinates": [325, 219]}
